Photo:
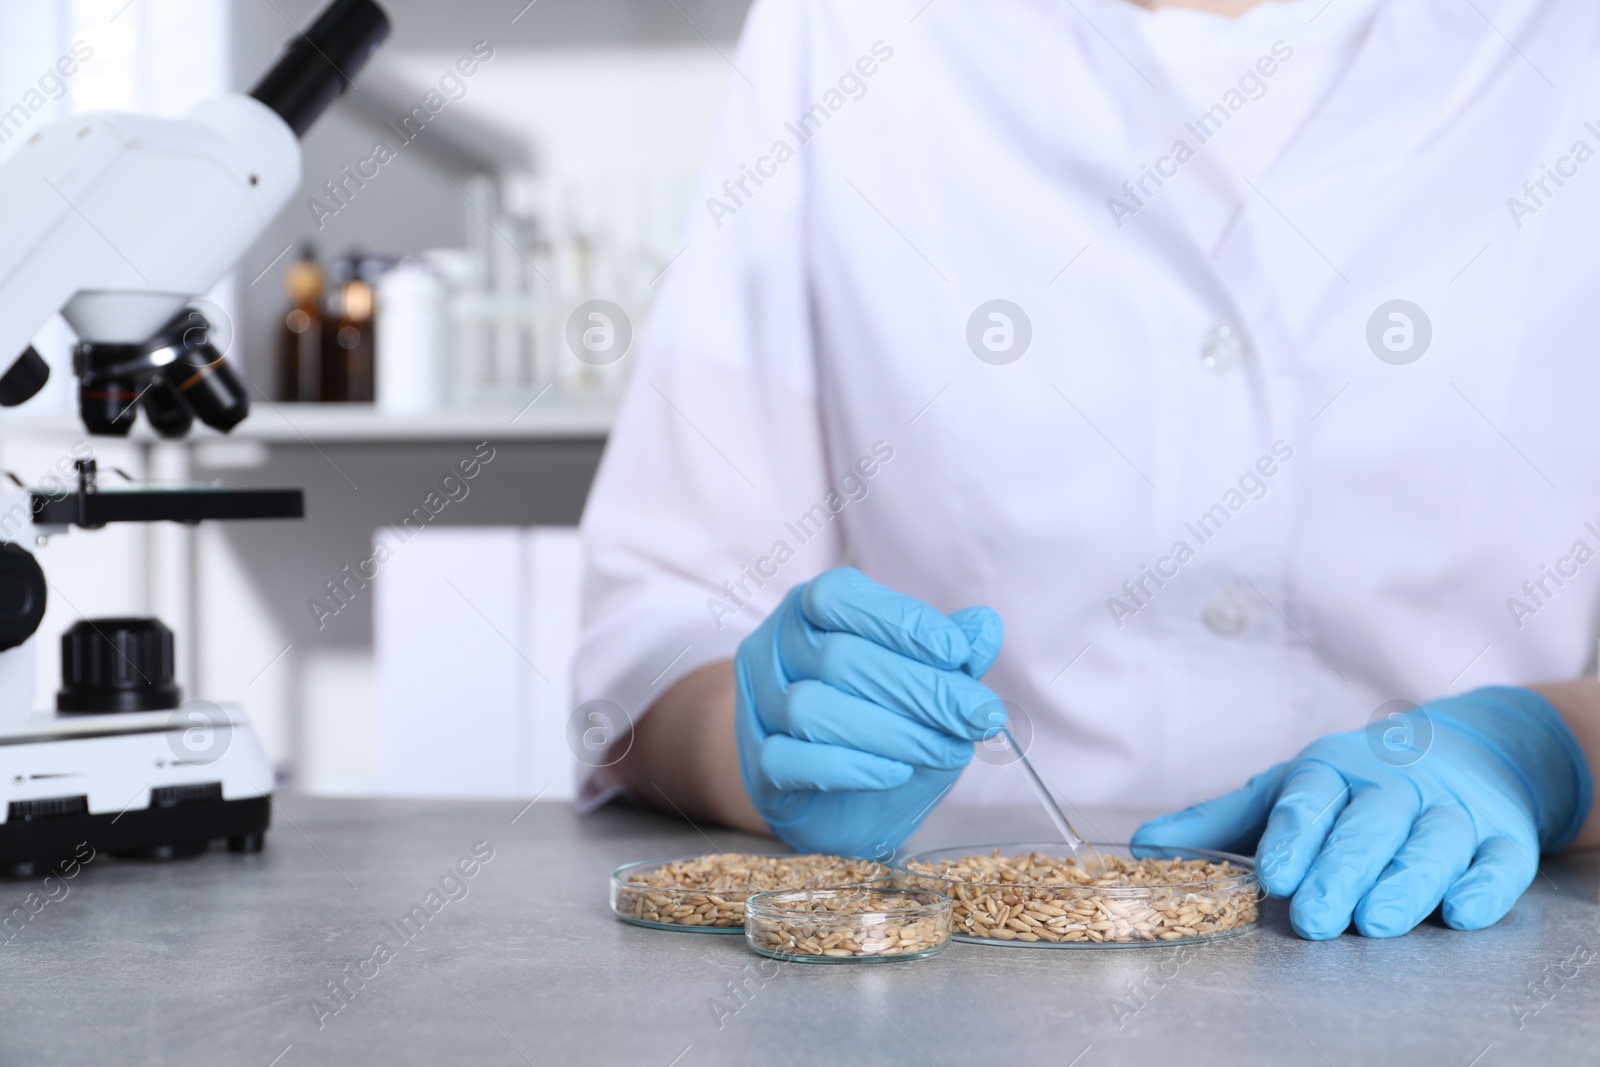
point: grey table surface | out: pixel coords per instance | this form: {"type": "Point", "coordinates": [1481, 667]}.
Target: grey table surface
{"type": "Point", "coordinates": [224, 959]}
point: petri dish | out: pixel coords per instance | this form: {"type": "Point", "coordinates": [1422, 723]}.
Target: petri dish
{"type": "Point", "coordinates": [850, 925]}
{"type": "Point", "coordinates": [707, 894]}
{"type": "Point", "coordinates": [1029, 895]}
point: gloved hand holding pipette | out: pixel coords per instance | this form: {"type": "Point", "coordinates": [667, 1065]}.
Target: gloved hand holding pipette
{"type": "Point", "coordinates": [857, 710]}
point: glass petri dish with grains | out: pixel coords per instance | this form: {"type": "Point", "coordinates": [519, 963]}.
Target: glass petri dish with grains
{"type": "Point", "coordinates": [847, 925]}
{"type": "Point", "coordinates": [1030, 895]}
{"type": "Point", "coordinates": [707, 894]}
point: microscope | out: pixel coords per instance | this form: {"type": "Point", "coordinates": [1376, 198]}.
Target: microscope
{"type": "Point", "coordinates": [119, 222]}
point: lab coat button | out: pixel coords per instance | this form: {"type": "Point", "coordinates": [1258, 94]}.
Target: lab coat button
{"type": "Point", "coordinates": [1221, 349]}
{"type": "Point", "coordinates": [1227, 615]}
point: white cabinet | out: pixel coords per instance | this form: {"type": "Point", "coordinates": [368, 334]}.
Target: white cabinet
{"type": "Point", "coordinates": [473, 637]}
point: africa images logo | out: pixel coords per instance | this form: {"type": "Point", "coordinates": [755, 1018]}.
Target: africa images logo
{"type": "Point", "coordinates": [999, 332]}
{"type": "Point", "coordinates": [1399, 332]}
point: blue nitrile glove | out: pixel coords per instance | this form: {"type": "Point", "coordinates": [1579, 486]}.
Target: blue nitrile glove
{"type": "Point", "coordinates": [1451, 804]}
{"type": "Point", "coordinates": [857, 710]}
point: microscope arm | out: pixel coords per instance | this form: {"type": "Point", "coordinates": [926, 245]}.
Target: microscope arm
{"type": "Point", "coordinates": [119, 219]}
{"type": "Point", "coordinates": [116, 220]}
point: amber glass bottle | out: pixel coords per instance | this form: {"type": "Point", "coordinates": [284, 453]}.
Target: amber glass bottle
{"type": "Point", "coordinates": [300, 335]}
{"type": "Point", "coordinates": [347, 362]}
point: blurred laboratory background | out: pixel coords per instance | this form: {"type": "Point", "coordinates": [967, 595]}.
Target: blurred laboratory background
{"type": "Point", "coordinates": [405, 320]}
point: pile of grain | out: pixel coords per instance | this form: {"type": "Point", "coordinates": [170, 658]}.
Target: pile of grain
{"type": "Point", "coordinates": [711, 890]}
{"type": "Point", "coordinates": [847, 923]}
{"type": "Point", "coordinates": [1032, 897]}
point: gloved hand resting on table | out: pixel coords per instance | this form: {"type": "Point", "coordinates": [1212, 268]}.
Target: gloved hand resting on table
{"type": "Point", "coordinates": [1383, 828]}
{"type": "Point", "coordinates": [857, 708]}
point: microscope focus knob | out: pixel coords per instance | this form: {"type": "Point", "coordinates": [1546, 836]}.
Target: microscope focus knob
{"type": "Point", "coordinates": [22, 595]}
{"type": "Point", "coordinates": [121, 664]}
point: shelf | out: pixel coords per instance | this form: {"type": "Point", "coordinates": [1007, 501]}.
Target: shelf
{"type": "Point", "coordinates": [292, 424]}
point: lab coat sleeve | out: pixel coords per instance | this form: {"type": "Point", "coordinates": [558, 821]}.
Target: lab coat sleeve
{"type": "Point", "coordinates": [689, 531]}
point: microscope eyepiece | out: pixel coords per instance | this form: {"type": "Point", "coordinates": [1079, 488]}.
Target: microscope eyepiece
{"type": "Point", "coordinates": [318, 64]}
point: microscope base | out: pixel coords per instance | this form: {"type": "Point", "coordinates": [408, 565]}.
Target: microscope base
{"type": "Point", "coordinates": [31, 848]}
{"type": "Point", "coordinates": [140, 785]}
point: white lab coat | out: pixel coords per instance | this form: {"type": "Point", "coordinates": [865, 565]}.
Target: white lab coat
{"type": "Point", "coordinates": [823, 321]}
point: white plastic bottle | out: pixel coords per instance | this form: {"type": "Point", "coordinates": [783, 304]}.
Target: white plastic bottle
{"type": "Point", "coordinates": [410, 334]}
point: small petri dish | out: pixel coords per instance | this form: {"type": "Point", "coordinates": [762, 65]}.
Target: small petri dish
{"type": "Point", "coordinates": [852, 925]}
{"type": "Point", "coordinates": [1030, 895]}
{"type": "Point", "coordinates": [707, 894]}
